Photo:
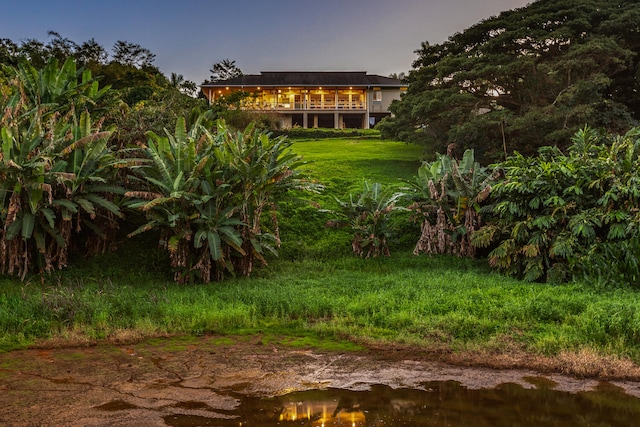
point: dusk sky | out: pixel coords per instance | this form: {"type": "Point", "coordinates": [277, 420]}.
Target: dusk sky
{"type": "Point", "coordinates": [189, 36]}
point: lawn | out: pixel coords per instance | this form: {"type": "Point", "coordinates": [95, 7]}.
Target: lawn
{"type": "Point", "coordinates": [317, 289]}
{"type": "Point", "coordinates": [343, 164]}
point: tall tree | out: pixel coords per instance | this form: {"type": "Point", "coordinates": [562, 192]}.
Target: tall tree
{"type": "Point", "coordinates": [176, 80]}
{"type": "Point", "coordinates": [132, 54]}
{"type": "Point", "coordinates": [9, 52]}
{"type": "Point", "coordinates": [400, 76]}
{"type": "Point", "coordinates": [187, 87]}
{"type": "Point", "coordinates": [526, 78]}
{"type": "Point", "coordinates": [224, 70]}
{"type": "Point", "coordinates": [59, 47]}
{"type": "Point", "coordinates": [91, 52]}
{"type": "Point", "coordinates": [34, 51]}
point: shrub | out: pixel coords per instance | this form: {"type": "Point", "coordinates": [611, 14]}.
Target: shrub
{"type": "Point", "coordinates": [447, 194]}
{"type": "Point", "coordinates": [368, 217]}
{"type": "Point", "coordinates": [556, 217]}
{"type": "Point", "coordinates": [322, 133]}
{"type": "Point", "coordinates": [55, 170]}
{"type": "Point", "coordinates": [212, 196]}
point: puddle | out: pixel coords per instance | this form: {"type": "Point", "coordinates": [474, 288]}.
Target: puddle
{"type": "Point", "coordinates": [195, 420]}
{"type": "Point", "coordinates": [212, 386]}
{"type": "Point", "coordinates": [540, 382]}
{"type": "Point", "coordinates": [445, 403]}
{"type": "Point", "coordinates": [194, 406]}
{"type": "Point", "coordinates": [116, 405]}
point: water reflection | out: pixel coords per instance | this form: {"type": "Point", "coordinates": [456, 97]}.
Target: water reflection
{"type": "Point", "coordinates": [441, 404]}
{"type": "Point", "coordinates": [321, 413]}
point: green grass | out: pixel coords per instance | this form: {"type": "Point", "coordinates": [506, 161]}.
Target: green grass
{"type": "Point", "coordinates": [426, 301]}
{"type": "Point", "coordinates": [317, 294]}
{"type": "Point", "coordinates": [342, 166]}
{"type": "Point", "coordinates": [346, 163]}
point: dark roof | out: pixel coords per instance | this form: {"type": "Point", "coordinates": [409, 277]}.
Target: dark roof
{"type": "Point", "coordinates": [308, 78]}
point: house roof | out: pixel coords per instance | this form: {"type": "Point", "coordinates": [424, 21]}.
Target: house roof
{"type": "Point", "coordinates": [308, 78]}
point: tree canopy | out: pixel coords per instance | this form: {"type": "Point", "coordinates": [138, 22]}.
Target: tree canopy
{"type": "Point", "coordinates": [129, 67]}
{"type": "Point", "coordinates": [142, 98]}
{"type": "Point", "coordinates": [527, 78]}
{"type": "Point", "coordinates": [224, 70]}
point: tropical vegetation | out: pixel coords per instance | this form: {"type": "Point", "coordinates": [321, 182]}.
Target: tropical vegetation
{"type": "Point", "coordinates": [447, 198]}
{"type": "Point", "coordinates": [369, 217]}
{"type": "Point", "coordinates": [212, 196]}
{"type": "Point", "coordinates": [139, 98]}
{"type": "Point", "coordinates": [323, 295]}
{"type": "Point", "coordinates": [86, 168]}
{"type": "Point", "coordinates": [57, 188]}
{"type": "Point", "coordinates": [562, 216]}
{"type": "Point", "coordinates": [524, 79]}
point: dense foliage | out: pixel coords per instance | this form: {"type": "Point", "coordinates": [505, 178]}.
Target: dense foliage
{"type": "Point", "coordinates": [369, 217]}
{"type": "Point", "coordinates": [527, 78]}
{"type": "Point", "coordinates": [556, 217]}
{"type": "Point", "coordinates": [141, 97]}
{"type": "Point", "coordinates": [210, 191]}
{"type": "Point", "coordinates": [316, 292]}
{"type": "Point", "coordinates": [447, 195]}
{"type": "Point", "coordinates": [213, 195]}
{"type": "Point", "coordinates": [56, 182]}
{"type": "Point", "coordinates": [130, 66]}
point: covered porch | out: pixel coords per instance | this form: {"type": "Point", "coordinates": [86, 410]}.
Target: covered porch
{"type": "Point", "coordinates": [298, 98]}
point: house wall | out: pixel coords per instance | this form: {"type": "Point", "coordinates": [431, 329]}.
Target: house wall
{"type": "Point", "coordinates": [335, 107]}
{"type": "Point", "coordinates": [379, 100]}
{"type": "Point", "coordinates": [386, 96]}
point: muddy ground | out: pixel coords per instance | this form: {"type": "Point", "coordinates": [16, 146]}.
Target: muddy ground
{"type": "Point", "coordinates": [141, 384]}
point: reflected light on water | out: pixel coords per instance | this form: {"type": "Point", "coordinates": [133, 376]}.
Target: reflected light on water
{"type": "Point", "coordinates": [437, 404]}
{"type": "Point", "coordinates": [321, 414]}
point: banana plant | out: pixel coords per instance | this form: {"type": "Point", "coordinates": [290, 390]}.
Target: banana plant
{"type": "Point", "coordinates": [186, 198]}
{"type": "Point", "coordinates": [62, 89]}
{"type": "Point", "coordinates": [53, 185]}
{"type": "Point", "coordinates": [447, 196]}
{"type": "Point", "coordinates": [368, 216]}
{"type": "Point", "coordinates": [207, 193]}
{"type": "Point", "coordinates": [83, 167]}
{"type": "Point", "coordinates": [260, 170]}
{"type": "Point", "coordinates": [54, 169]}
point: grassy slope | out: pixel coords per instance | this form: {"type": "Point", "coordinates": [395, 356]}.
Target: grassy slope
{"type": "Point", "coordinates": [341, 166]}
{"type": "Point", "coordinates": [356, 159]}
{"type": "Point", "coordinates": [318, 289]}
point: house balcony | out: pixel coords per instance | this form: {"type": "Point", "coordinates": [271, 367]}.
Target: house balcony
{"type": "Point", "coordinates": [312, 106]}
{"type": "Point", "coordinates": [293, 100]}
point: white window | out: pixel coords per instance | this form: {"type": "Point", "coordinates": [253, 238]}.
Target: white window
{"type": "Point", "coordinates": [377, 95]}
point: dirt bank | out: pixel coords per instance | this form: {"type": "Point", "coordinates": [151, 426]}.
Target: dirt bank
{"type": "Point", "coordinates": [140, 384]}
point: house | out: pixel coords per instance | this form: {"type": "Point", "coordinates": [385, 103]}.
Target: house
{"type": "Point", "coordinates": [334, 99]}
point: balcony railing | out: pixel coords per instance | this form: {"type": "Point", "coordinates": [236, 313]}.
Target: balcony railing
{"type": "Point", "coordinates": [314, 105]}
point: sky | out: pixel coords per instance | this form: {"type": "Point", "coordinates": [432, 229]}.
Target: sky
{"type": "Point", "coordinates": [189, 36]}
